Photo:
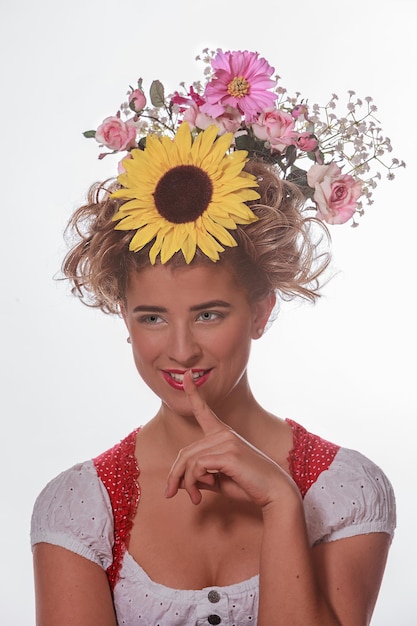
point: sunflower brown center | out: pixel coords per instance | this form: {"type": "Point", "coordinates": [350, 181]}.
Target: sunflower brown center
{"type": "Point", "coordinates": [238, 87]}
{"type": "Point", "coordinates": [183, 194]}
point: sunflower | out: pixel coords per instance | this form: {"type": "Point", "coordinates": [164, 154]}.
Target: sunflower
{"type": "Point", "coordinates": [185, 194]}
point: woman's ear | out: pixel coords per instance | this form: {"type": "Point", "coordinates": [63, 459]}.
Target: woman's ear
{"type": "Point", "coordinates": [261, 313]}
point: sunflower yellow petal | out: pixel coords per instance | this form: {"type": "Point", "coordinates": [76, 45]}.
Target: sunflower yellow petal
{"type": "Point", "coordinates": [179, 235]}
{"type": "Point", "coordinates": [183, 143]}
{"type": "Point", "coordinates": [235, 169]}
{"type": "Point", "coordinates": [223, 219]}
{"type": "Point", "coordinates": [202, 148]}
{"type": "Point", "coordinates": [167, 250]}
{"type": "Point", "coordinates": [239, 212]}
{"type": "Point", "coordinates": [220, 148]}
{"type": "Point", "coordinates": [156, 248]}
{"type": "Point", "coordinates": [221, 234]}
{"type": "Point", "coordinates": [188, 249]}
{"type": "Point", "coordinates": [130, 222]}
{"type": "Point", "coordinates": [134, 209]}
{"type": "Point", "coordinates": [190, 227]}
{"type": "Point", "coordinates": [143, 236]}
{"type": "Point", "coordinates": [235, 184]}
{"type": "Point", "coordinates": [208, 245]}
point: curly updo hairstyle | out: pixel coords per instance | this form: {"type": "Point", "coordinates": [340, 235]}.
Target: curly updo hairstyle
{"type": "Point", "coordinates": [280, 252]}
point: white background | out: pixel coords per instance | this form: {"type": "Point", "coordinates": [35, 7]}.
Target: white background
{"type": "Point", "coordinates": [345, 368]}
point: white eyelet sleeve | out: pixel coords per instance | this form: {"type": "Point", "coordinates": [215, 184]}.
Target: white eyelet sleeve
{"type": "Point", "coordinates": [73, 511]}
{"type": "Point", "coordinates": [352, 497]}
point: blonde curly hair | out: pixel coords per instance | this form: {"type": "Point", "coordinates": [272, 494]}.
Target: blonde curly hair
{"type": "Point", "coordinates": [281, 252]}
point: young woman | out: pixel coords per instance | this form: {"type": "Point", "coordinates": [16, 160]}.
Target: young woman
{"type": "Point", "coordinates": [215, 511]}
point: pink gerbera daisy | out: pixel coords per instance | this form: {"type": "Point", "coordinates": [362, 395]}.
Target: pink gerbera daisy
{"type": "Point", "coordinates": [241, 80]}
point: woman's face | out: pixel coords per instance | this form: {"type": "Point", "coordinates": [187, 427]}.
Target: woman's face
{"type": "Point", "coordinates": [192, 318]}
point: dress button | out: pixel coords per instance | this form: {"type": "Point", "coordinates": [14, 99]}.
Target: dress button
{"type": "Point", "coordinates": [213, 596]}
{"type": "Point", "coordinates": [214, 619]}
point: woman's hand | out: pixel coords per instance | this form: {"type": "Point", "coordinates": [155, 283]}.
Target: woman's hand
{"type": "Point", "coordinates": [224, 462]}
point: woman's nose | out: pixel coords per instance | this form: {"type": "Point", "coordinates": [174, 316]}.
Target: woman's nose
{"type": "Point", "coordinates": [183, 347]}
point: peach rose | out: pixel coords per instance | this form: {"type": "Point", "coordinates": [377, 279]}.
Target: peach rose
{"type": "Point", "coordinates": [196, 118]}
{"type": "Point", "coordinates": [116, 134]}
{"type": "Point", "coordinates": [228, 122]}
{"type": "Point", "coordinates": [336, 194]}
{"type": "Point", "coordinates": [276, 127]}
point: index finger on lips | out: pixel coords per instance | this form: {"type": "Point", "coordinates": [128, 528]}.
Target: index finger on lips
{"type": "Point", "coordinates": [208, 421]}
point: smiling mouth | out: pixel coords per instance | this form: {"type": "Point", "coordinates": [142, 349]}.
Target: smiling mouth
{"type": "Point", "coordinates": [180, 377]}
{"type": "Point", "coordinates": [176, 378]}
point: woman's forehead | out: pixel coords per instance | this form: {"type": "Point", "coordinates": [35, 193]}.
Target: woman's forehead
{"type": "Point", "coordinates": [193, 282]}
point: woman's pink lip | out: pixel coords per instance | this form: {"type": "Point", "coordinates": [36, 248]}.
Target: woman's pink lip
{"type": "Point", "coordinates": [177, 384]}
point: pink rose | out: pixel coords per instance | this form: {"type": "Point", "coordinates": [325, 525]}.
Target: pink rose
{"type": "Point", "coordinates": [276, 127]}
{"type": "Point", "coordinates": [137, 100]}
{"type": "Point", "coordinates": [116, 134]}
{"type": "Point", "coordinates": [300, 110]}
{"type": "Point", "coordinates": [336, 194]}
{"type": "Point", "coordinates": [306, 142]}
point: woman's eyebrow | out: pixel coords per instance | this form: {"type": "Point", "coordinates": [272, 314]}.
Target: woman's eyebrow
{"type": "Point", "coordinates": [149, 307]}
{"type": "Point", "coordinates": [211, 304]}
{"type": "Point", "coordinates": [197, 307]}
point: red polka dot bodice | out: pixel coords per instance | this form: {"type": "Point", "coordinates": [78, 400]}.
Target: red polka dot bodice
{"type": "Point", "coordinates": [118, 470]}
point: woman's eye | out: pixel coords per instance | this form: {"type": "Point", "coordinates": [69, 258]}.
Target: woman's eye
{"type": "Point", "coordinates": [151, 319]}
{"type": "Point", "coordinates": [208, 316]}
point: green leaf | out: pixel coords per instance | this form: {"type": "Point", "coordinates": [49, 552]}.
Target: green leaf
{"type": "Point", "coordinates": [89, 134]}
{"type": "Point", "coordinates": [299, 177]}
{"type": "Point", "coordinates": [290, 155]}
{"type": "Point", "coordinates": [317, 156]}
{"type": "Point", "coordinates": [157, 94]}
{"type": "Point", "coordinates": [244, 142]}
{"type": "Point", "coordinates": [255, 147]}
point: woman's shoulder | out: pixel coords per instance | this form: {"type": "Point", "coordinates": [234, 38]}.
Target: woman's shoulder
{"type": "Point", "coordinates": [69, 486]}
{"type": "Point", "coordinates": [117, 460]}
{"type": "Point", "coordinates": [347, 493]}
{"type": "Point", "coordinates": [309, 456]}
{"type": "Point", "coordinates": [73, 511]}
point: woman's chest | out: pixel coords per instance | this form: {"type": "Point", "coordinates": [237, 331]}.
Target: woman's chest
{"type": "Point", "coordinates": [139, 600]}
{"type": "Point", "coordinates": [184, 546]}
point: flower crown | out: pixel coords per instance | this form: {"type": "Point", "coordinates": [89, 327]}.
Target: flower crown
{"type": "Point", "coordinates": [183, 175]}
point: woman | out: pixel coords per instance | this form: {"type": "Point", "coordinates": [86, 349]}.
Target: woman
{"type": "Point", "coordinates": [215, 511]}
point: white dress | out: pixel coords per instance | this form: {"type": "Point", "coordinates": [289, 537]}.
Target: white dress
{"type": "Point", "coordinates": [89, 509]}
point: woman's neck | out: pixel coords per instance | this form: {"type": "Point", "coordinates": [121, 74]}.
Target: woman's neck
{"type": "Point", "coordinates": [240, 411]}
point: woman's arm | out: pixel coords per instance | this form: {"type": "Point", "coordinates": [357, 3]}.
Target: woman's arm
{"type": "Point", "coordinates": [333, 584]}
{"type": "Point", "coordinates": [70, 590]}
{"type": "Point", "coordinates": [350, 572]}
